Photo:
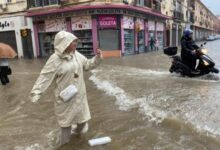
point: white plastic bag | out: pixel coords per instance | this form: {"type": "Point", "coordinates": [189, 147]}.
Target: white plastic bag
{"type": "Point", "coordinates": [68, 93]}
{"type": "Point", "coordinates": [100, 141]}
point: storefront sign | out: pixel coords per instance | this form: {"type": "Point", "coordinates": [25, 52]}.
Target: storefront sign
{"type": "Point", "coordinates": [107, 21]}
{"type": "Point", "coordinates": [6, 25]}
{"type": "Point", "coordinates": [81, 23]}
{"type": "Point", "coordinates": [128, 22]}
{"type": "Point", "coordinates": [160, 26]}
{"type": "Point", "coordinates": [151, 25]}
{"type": "Point", "coordinates": [55, 25]}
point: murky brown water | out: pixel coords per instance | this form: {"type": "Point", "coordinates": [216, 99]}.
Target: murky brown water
{"type": "Point", "coordinates": [134, 100]}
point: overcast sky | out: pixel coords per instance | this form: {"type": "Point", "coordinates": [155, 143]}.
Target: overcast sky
{"type": "Point", "coordinates": [213, 5]}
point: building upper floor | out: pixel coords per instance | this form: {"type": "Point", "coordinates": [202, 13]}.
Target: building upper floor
{"type": "Point", "coordinates": [186, 11]}
{"type": "Point", "coordinates": [32, 5]}
{"type": "Point", "coordinates": [177, 9]}
{"type": "Point", "coordinates": [192, 12]}
{"type": "Point", "coordinates": [12, 6]}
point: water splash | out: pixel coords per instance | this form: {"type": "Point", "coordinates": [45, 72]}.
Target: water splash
{"type": "Point", "coordinates": [153, 108]}
{"type": "Point", "coordinates": [205, 78]}
{"type": "Point", "coordinates": [127, 102]}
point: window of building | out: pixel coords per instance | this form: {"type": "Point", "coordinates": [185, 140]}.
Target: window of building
{"type": "Point", "coordinates": [178, 7]}
{"type": "Point", "coordinates": [140, 2]}
{"type": "Point", "coordinates": [40, 3]}
{"type": "Point", "coordinates": [50, 2]}
{"type": "Point", "coordinates": [147, 3]}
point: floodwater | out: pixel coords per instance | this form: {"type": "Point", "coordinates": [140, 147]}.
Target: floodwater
{"type": "Point", "coordinates": [134, 100]}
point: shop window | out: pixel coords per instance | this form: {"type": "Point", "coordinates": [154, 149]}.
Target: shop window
{"type": "Point", "coordinates": [160, 39]}
{"type": "Point", "coordinates": [85, 44]}
{"type": "Point", "coordinates": [141, 47]}
{"type": "Point", "coordinates": [128, 41]}
{"type": "Point", "coordinates": [46, 43]}
{"type": "Point", "coordinates": [140, 2]}
{"type": "Point", "coordinates": [109, 39]}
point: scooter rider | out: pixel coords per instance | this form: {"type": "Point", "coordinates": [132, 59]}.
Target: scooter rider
{"type": "Point", "coordinates": [188, 47]}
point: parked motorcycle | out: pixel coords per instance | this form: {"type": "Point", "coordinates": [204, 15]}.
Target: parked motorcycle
{"type": "Point", "coordinates": [205, 65]}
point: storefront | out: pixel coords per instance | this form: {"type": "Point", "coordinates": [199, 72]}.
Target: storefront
{"type": "Point", "coordinates": [82, 28]}
{"type": "Point", "coordinates": [109, 32]}
{"type": "Point", "coordinates": [10, 32]}
{"type": "Point", "coordinates": [46, 33]}
{"type": "Point", "coordinates": [116, 30]}
{"type": "Point", "coordinates": [17, 32]}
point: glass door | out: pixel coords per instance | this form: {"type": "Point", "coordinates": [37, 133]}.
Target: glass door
{"type": "Point", "coordinates": [128, 41]}
{"type": "Point", "coordinates": [141, 47]}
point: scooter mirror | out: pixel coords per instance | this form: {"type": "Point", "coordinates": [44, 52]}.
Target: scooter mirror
{"type": "Point", "coordinates": [201, 45]}
{"type": "Point", "coordinates": [205, 43]}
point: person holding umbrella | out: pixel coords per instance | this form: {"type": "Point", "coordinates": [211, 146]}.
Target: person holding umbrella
{"type": "Point", "coordinates": [4, 66]}
{"type": "Point", "coordinates": [6, 52]}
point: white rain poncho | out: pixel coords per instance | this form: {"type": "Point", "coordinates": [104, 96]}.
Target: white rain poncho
{"type": "Point", "coordinates": [61, 68]}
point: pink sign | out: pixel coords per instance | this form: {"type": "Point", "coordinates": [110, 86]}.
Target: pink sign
{"type": "Point", "coordinates": [107, 21]}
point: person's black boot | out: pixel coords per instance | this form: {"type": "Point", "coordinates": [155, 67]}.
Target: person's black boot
{"type": "Point", "coordinates": [3, 81]}
{"type": "Point", "coordinates": [7, 79]}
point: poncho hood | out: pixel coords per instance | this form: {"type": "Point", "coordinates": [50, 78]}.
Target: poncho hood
{"type": "Point", "coordinates": [62, 41]}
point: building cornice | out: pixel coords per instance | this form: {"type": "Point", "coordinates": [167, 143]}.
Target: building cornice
{"type": "Point", "coordinates": [92, 7]}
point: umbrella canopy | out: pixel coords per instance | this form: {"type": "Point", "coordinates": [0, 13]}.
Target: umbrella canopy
{"type": "Point", "coordinates": [6, 51]}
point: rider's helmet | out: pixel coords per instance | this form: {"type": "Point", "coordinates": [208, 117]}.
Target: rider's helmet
{"type": "Point", "coordinates": [187, 32]}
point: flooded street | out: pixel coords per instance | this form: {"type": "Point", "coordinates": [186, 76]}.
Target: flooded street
{"type": "Point", "coordinates": [133, 99]}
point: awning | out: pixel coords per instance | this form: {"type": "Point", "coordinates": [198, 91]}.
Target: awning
{"type": "Point", "coordinates": [83, 7]}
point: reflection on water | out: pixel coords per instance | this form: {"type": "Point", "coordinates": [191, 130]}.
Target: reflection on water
{"type": "Point", "coordinates": [134, 100]}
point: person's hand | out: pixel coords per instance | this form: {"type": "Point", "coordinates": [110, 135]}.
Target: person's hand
{"type": "Point", "coordinates": [99, 53]}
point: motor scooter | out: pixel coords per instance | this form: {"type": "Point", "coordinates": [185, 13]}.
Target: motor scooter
{"type": "Point", "coordinates": [204, 66]}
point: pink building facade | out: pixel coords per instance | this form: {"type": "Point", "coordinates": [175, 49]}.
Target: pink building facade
{"type": "Point", "coordinates": [116, 29]}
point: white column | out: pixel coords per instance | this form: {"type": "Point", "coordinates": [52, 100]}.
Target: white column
{"type": "Point", "coordinates": [30, 26]}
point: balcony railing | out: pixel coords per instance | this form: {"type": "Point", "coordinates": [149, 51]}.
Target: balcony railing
{"type": "Point", "coordinates": [178, 15]}
{"type": "Point", "coordinates": [42, 3]}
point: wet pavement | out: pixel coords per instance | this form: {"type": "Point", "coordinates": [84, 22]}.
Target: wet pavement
{"type": "Point", "coordinates": [133, 99]}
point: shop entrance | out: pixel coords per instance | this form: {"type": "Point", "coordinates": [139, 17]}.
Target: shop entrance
{"type": "Point", "coordinates": [109, 39]}
{"type": "Point", "coordinates": [8, 37]}
{"type": "Point", "coordinates": [141, 39]}
{"type": "Point", "coordinates": [27, 44]}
